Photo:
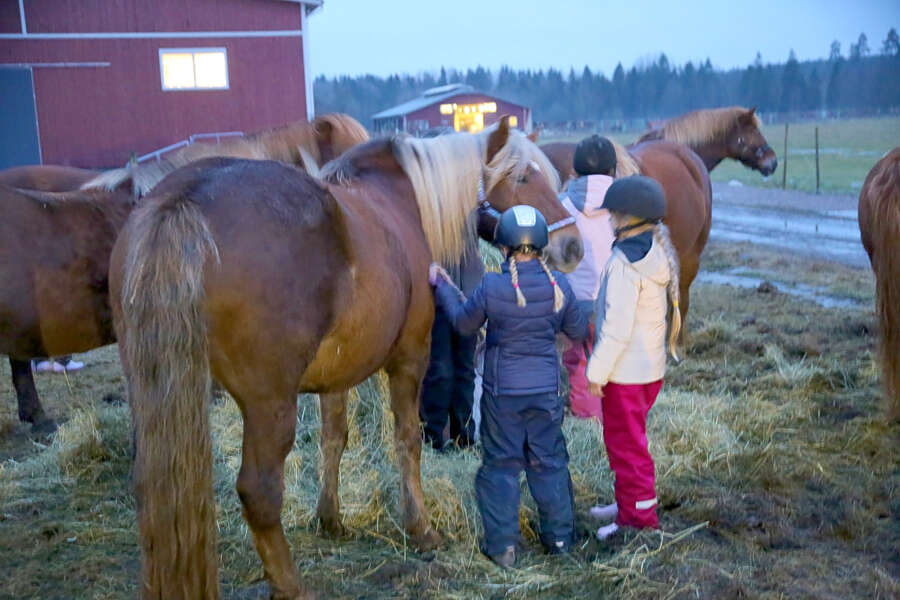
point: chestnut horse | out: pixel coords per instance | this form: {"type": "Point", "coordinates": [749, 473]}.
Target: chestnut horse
{"type": "Point", "coordinates": [879, 228]}
{"type": "Point", "coordinates": [54, 248]}
{"type": "Point", "coordinates": [275, 284]}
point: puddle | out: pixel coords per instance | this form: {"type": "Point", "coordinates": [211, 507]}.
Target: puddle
{"type": "Point", "coordinates": [822, 234]}
{"type": "Point", "coordinates": [737, 277]}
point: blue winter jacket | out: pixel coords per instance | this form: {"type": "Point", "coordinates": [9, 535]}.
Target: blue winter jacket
{"type": "Point", "coordinates": [520, 355]}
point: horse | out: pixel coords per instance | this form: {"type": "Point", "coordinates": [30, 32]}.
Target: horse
{"type": "Point", "coordinates": [719, 133]}
{"type": "Point", "coordinates": [879, 228]}
{"type": "Point", "coordinates": [275, 283]}
{"type": "Point", "coordinates": [685, 180]}
{"type": "Point", "coordinates": [55, 248]}
{"type": "Point", "coordinates": [46, 178]}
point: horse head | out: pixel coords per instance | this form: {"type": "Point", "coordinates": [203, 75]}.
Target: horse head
{"type": "Point", "coordinates": [517, 172]}
{"type": "Point", "coordinates": [747, 144]}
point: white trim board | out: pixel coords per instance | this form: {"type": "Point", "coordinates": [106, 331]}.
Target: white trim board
{"type": "Point", "coordinates": [124, 35]}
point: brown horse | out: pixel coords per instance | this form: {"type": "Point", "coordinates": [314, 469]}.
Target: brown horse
{"type": "Point", "coordinates": [276, 284]}
{"type": "Point", "coordinates": [719, 133]}
{"type": "Point", "coordinates": [46, 178]}
{"type": "Point", "coordinates": [54, 248]}
{"type": "Point", "coordinates": [684, 179]}
{"type": "Point", "coordinates": [879, 228]}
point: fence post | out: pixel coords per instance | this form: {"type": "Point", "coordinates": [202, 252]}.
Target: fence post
{"type": "Point", "coordinates": [784, 164]}
{"type": "Point", "coordinates": [817, 160]}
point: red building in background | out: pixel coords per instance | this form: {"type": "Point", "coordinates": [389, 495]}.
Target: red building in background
{"type": "Point", "coordinates": [456, 106]}
{"type": "Point", "coordinates": [89, 82]}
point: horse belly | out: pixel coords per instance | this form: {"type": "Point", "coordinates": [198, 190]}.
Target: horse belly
{"type": "Point", "coordinates": [364, 333]}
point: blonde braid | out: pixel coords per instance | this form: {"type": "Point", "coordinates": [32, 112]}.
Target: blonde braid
{"type": "Point", "coordinates": [662, 237]}
{"type": "Point", "coordinates": [514, 271]}
{"type": "Point", "coordinates": [559, 299]}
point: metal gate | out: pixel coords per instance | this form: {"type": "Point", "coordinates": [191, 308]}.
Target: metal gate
{"type": "Point", "coordinates": [19, 142]}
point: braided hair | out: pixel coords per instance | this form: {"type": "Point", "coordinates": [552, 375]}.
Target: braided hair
{"type": "Point", "coordinates": [559, 299]}
{"type": "Point", "coordinates": [662, 237]}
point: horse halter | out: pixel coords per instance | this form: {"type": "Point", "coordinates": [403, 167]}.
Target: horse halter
{"type": "Point", "coordinates": [485, 206]}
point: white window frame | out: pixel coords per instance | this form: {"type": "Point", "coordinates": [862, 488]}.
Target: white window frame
{"type": "Point", "coordinates": [192, 51]}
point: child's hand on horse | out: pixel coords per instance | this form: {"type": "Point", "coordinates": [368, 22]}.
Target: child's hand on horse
{"type": "Point", "coordinates": [437, 272]}
{"type": "Point", "coordinates": [596, 389]}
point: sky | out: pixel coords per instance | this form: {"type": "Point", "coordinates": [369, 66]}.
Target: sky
{"type": "Point", "coordinates": [381, 37]}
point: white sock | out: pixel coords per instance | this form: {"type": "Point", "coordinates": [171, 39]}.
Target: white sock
{"type": "Point", "coordinates": [607, 530]}
{"type": "Point", "coordinates": [607, 512]}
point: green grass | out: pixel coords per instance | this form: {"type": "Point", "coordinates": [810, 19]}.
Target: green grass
{"type": "Point", "coordinates": [848, 149]}
{"type": "Point", "coordinates": [776, 473]}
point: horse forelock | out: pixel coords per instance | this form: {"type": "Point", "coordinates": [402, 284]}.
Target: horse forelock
{"type": "Point", "coordinates": [707, 125]}
{"type": "Point", "coordinates": [344, 124]}
{"type": "Point", "coordinates": [514, 158]}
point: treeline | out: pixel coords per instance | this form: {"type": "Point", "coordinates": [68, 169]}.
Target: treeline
{"type": "Point", "coordinates": [861, 80]}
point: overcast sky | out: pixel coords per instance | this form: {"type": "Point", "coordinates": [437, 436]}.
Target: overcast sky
{"type": "Point", "coordinates": [411, 36]}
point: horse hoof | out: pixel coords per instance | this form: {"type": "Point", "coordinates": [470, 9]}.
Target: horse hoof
{"type": "Point", "coordinates": [332, 528]}
{"type": "Point", "coordinates": [44, 427]}
{"type": "Point", "coordinates": [427, 541]}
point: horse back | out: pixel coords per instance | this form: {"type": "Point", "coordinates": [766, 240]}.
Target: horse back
{"type": "Point", "coordinates": [46, 178]}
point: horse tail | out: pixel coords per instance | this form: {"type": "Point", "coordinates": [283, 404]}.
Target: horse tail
{"type": "Point", "coordinates": [881, 197]}
{"type": "Point", "coordinates": [165, 347]}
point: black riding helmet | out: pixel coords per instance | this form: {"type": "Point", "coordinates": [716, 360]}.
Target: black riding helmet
{"type": "Point", "coordinates": [522, 226]}
{"type": "Point", "coordinates": [638, 196]}
{"type": "Point", "coordinates": [594, 155]}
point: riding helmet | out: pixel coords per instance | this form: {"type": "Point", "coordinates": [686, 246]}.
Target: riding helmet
{"type": "Point", "coordinates": [638, 196]}
{"type": "Point", "coordinates": [594, 155]}
{"type": "Point", "coordinates": [522, 226]}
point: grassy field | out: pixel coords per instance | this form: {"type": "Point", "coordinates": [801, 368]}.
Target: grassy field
{"type": "Point", "coordinates": [777, 477]}
{"type": "Point", "coordinates": [848, 149]}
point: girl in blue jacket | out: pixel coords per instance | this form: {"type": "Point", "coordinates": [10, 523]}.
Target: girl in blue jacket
{"type": "Point", "coordinates": [525, 306]}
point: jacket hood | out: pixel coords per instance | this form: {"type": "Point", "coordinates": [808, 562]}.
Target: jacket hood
{"type": "Point", "coordinates": [653, 266]}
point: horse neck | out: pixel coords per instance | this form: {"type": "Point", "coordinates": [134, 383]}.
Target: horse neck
{"type": "Point", "coordinates": [711, 153]}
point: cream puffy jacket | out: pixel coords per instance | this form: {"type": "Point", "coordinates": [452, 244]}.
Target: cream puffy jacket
{"type": "Point", "coordinates": [631, 320]}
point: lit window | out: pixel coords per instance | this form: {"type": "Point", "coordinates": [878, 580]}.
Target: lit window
{"type": "Point", "coordinates": [446, 109]}
{"type": "Point", "coordinates": [513, 121]}
{"type": "Point", "coordinates": [193, 68]}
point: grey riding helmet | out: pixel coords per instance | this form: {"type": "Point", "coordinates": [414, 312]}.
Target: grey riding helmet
{"type": "Point", "coordinates": [638, 196]}
{"type": "Point", "coordinates": [522, 226]}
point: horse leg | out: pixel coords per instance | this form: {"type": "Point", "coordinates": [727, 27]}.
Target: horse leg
{"type": "Point", "coordinates": [30, 409]}
{"type": "Point", "coordinates": [268, 437]}
{"type": "Point", "coordinates": [333, 442]}
{"type": "Point", "coordinates": [688, 272]}
{"type": "Point", "coordinates": [406, 382]}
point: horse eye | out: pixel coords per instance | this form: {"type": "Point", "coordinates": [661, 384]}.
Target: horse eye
{"type": "Point", "coordinates": [523, 179]}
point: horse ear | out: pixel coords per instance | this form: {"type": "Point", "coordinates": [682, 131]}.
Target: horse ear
{"type": "Point", "coordinates": [498, 138]}
{"type": "Point", "coordinates": [533, 136]}
{"type": "Point", "coordinates": [752, 111]}
{"type": "Point", "coordinates": [324, 130]}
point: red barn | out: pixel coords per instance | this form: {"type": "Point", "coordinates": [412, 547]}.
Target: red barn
{"type": "Point", "coordinates": [455, 106]}
{"type": "Point", "coordinates": [89, 82]}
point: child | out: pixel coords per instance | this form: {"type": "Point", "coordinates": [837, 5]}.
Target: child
{"type": "Point", "coordinates": [629, 358]}
{"type": "Point", "coordinates": [595, 163]}
{"type": "Point", "coordinates": [521, 416]}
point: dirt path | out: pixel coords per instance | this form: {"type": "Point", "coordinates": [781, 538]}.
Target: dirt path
{"type": "Point", "coordinates": [823, 226]}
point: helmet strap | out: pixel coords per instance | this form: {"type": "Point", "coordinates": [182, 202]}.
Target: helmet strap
{"type": "Point", "coordinates": [641, 223]}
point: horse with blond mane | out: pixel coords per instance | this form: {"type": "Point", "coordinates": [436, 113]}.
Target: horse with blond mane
{"type": "Point", "coordinates": [55, 247]}
{"type": "Point", "coordinates": [879, 228]}
{"type": "Point", "coordinates": [276, 283]}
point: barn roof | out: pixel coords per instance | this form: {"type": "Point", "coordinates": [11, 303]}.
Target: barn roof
{"type": "Point", "coordinates": [429, 97]}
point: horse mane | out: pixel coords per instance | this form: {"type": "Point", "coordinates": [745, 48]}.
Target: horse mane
{"type": "Point", "coordinates": [625, 163]}
{"type": "Point", "coordinates": [700, 126]}
{"type": "Point", "coordinates": [444, 172]}
{"type": "Point", "coordinates": [294, 143]}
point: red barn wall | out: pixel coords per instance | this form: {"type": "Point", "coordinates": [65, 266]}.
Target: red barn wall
{"type": "Point", "coordinates": [98, 116]}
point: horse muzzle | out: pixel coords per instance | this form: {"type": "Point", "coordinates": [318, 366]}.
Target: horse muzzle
{"type": "Point", "coordinates": [565, 250]}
